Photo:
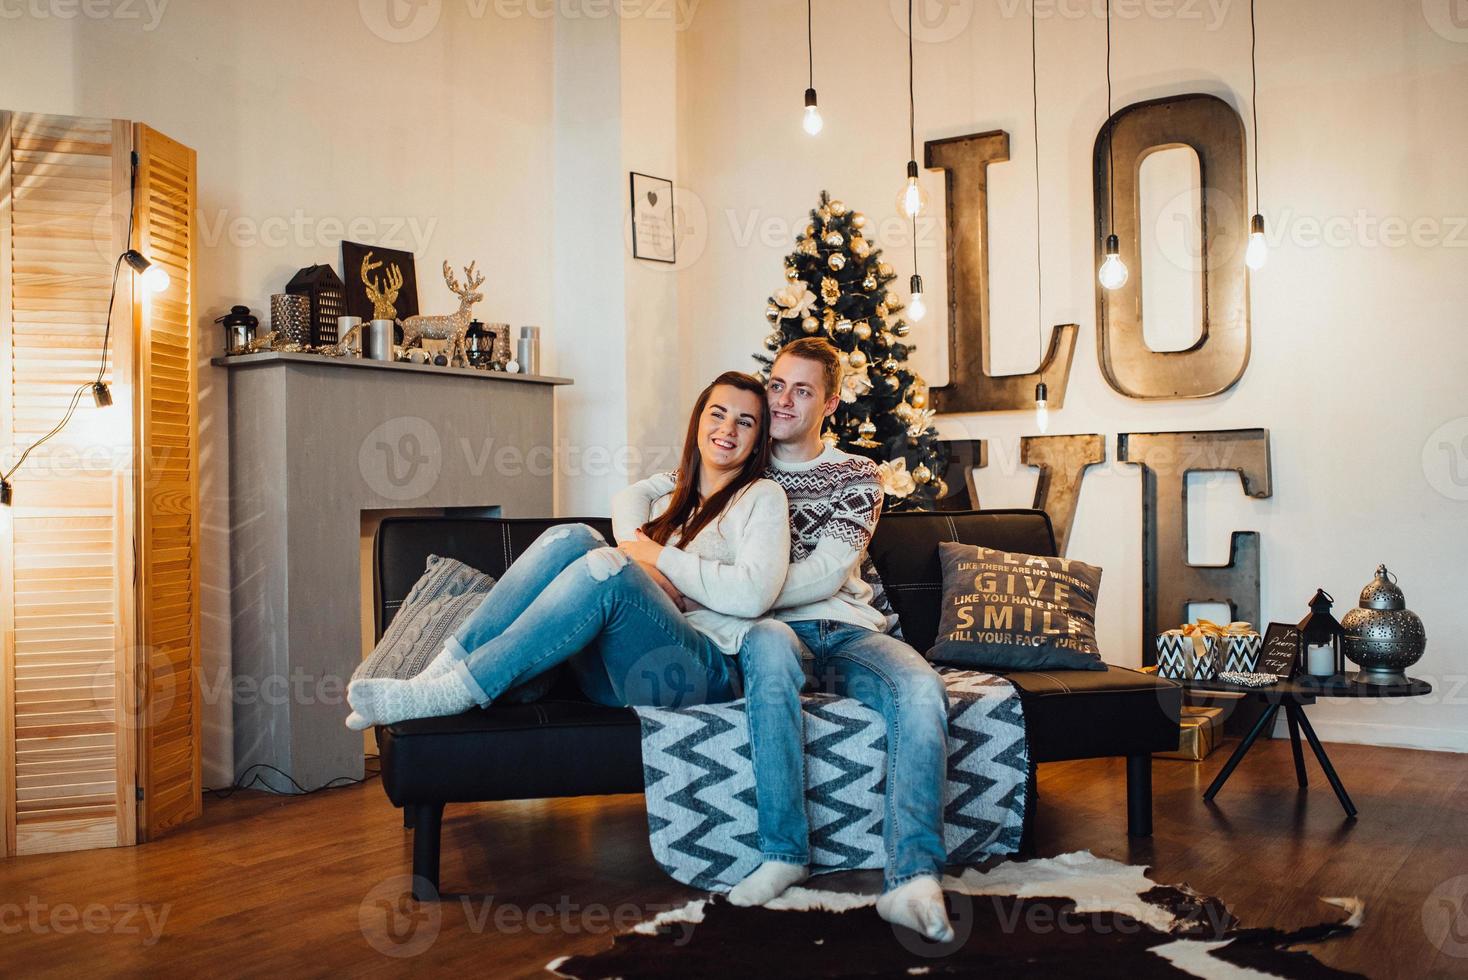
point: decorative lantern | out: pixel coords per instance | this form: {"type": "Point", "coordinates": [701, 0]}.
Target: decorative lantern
{"type": "Point", "coordinates": [239, 329]}
{"type": "Point", "coordinates": [328, 300]}
{"type": "Point", "coordinates": [1321, 638]}
{"type": "Point", "coordinates": [1382, 635]}
{"type": "Point", "coordinates": [478, 345]}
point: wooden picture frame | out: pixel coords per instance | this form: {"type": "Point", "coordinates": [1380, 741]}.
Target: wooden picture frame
{"type": "Point", "coordinates": [654, 225]}
{"type": "Point", "coordinates": [382, 260]}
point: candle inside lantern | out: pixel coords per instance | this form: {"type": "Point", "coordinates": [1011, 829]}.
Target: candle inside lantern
{"type": "Point", "coordinates": [1320, 660]}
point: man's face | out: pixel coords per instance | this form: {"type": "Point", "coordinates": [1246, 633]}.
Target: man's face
{"type": "Point", "coordinates": [799, 401]}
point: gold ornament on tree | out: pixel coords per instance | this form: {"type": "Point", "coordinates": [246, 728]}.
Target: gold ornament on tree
{"type": "Point", "coordinates": [858, 220]}
{"type": "Point", "coordinates": [884, 269]}
{"type": "Point", "coordinates": [919, 395]}
{"type": "Point", "coordinates": [837, 261]}
{"type": "Point", "coordinates": [863, 330]}
{"type": "Point", "coordinates": [837, 208]}
{"type": "Point", "coordinates": [922, 474]}
{"type": "Point", "coordinates": [834, 239]}
{"type": "Point", "coordinates": [791, 272]}
{"type": "Point", "coordinates": [810, 324]}
{"type": "Point", "coordinates": [860, 247]}
{"type": "Point", "coordinates": [864, 433]}
{"type": "Point", "coordinates": [901, 328]}
{"type": "Point", "coordinates": [869, 283]}
{"type": "Point", "coordinates": [830, 289]}
{"type": "Point", "coordinates": [843, 326]}
{"type": "Point", "coordinates": [807, 246]}
{"type": "Point", "coordinates": [858, 359]}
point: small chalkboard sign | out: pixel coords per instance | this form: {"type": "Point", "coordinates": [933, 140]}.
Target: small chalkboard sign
{"type": "Point", "coordinates": [1280, 654]}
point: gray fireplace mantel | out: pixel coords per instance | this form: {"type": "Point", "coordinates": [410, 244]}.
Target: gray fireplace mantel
{"type": "Point", "coordinates": [314, 443]}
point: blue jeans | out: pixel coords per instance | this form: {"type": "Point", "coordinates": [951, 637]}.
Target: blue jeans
{"type": "Point", "coordinates": [624, 639]}
{"type": "Point", "coordinates": [880, 671]}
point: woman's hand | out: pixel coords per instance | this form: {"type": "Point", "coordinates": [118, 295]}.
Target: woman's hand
{"type": "Point", "coordinates": [643, 550]}
{"type": "Point", "coordinates": [662, 582]}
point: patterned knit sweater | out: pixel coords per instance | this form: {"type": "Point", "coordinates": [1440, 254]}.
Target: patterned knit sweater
{"type": "Point", "coordinates": [835, 501]}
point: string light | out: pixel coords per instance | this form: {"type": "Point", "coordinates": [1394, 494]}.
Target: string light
{"type": "Point", "coordinates": [1258, 251]}
{"type": "Point", "coordinates": [1042, 407]}
{"type": "Point", "coordinates": [1113, 273]}
{"type": "Point", "coordinates": [152, 276]}
{"type": "Point", "coordinates": [913, 199]}
{"type": "Point", "coordinates": [813, 123]}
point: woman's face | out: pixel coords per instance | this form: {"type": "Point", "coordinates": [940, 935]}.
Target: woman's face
{"type": "Point", "coordinates": [729, 429]}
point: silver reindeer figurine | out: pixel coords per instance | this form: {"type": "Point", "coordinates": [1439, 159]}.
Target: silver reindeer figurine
{"type": "Point", "coordinates": [453, 326]}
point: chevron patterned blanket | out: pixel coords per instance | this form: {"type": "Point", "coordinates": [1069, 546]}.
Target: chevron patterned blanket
{"type": "Point", "coordinates": [701, 796]}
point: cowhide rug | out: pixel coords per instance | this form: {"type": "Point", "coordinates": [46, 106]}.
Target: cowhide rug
{"type": "Point", "coordinates": [1075, 915]}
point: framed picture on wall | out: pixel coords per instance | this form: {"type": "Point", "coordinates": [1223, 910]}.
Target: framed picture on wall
{"type": "Point", "coordinates": [652, 219]}
{"type": "Point", "coordinates": [379, 278]}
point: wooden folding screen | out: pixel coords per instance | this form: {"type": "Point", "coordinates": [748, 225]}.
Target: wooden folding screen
{"type": "Point", "coordinates": [98, 556]}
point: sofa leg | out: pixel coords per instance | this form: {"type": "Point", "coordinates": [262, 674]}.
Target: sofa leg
{"type": "Point", "coordinates": [427, 827]}
{"type": "Point", "coordinates": [407, 818]}
{"type": "Point", "coordinates": [1027, 826]}
{"type": "Point", "coordinates": [1139, 795]}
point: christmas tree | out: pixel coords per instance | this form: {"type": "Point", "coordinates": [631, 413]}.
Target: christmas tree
{"type": "Point", "coordinates": [836, 286]}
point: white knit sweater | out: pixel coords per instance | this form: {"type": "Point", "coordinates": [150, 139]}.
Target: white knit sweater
{"type": "Point", "coordinates": [734, 567]}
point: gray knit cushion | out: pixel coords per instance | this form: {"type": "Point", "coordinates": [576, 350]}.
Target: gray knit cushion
{"type": "Point", "coordinates": [439, 601]}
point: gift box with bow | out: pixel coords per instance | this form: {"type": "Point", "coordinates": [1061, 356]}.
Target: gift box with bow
{"type": "Point", "coordinates": [1200, 651]}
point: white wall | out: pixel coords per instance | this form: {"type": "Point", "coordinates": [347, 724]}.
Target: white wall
{"type": "Point", "coordinates": [1358, 352]}
{"type": "Point", "coordinates": [312, 118]}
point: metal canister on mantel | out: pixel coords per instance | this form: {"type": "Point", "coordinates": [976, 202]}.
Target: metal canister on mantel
{"type": "Point", "coordinates": [528, 350]}
{"type": "Point", "coordinates": [1382, 636]}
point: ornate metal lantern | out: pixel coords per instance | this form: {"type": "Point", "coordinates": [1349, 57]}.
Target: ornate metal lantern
{"type": "Point", "coordinates": [1383, 636]}
{"type": "Point", "coordinates": [239, 329]}
{"type": "Point", "coordinates": [328, 301]}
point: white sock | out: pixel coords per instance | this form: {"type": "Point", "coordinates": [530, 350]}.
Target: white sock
{"type": "Point", "coordinates": [358, 723]}
{"type": "Point", "coordinates": [447, 659]}
{"type": "Point", "coordinates": [766, 882]}
{"type": "Point", "coordinates": [384, 700]}
{"type": "Point", "coordinates": [918, 905]}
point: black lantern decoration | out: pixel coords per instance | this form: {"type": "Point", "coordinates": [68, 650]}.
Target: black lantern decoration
{"type": "Point", "coordinates": [478, 345]}
{"type": "Point", "coordinates": [1320, 628]}
{"type": "Point", "coordinates": [239, 329]}
{"type": "Point", "coordinates": [328, 300]}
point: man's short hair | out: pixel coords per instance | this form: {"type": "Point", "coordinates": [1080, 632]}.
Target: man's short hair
{"type": "Point", "coordinates": [823, 352]}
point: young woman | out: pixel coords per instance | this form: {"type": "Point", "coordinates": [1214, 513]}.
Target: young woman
{"type": "Point", "coordinates": [720, 541]}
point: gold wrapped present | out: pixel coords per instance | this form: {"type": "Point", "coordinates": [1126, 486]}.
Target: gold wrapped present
{"type": "Point", "coordinates": [1201, 730]}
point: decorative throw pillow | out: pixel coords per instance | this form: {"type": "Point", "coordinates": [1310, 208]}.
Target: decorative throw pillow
{"type": "Point", "coordinates": [438, 602]}
{"type": "Point", "coordinates": [1016, 612]}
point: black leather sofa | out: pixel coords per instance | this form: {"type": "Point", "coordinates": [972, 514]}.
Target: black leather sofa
{"type": "Point", "coordinates": [566, 746]}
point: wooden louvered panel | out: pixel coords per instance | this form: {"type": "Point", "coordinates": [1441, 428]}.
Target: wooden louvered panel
{"type": "Point", "coordinates": [65, 561]}
{"type": "Point", "coordinates": [168, 591]}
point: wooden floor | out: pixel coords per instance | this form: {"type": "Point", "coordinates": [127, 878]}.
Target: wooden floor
{"type": "Point", "coordinates": [272, 887]}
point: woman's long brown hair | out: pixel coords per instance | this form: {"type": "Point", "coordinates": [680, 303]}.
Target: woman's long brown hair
{"type": "Point", "coordinates": [684, 516]}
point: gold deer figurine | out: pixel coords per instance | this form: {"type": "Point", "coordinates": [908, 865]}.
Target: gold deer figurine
{"type": "Point", "coordinates": [384, 301]}
{"type": "Point", "coordinates": [453, 326]}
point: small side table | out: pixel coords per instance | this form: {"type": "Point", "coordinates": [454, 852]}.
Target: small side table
{"type": "Point", "coordinates": [1293, 695]}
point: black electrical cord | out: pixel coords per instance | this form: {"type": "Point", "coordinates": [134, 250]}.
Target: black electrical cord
{"type": "Point", "coordinates": [241, 783]}
{"type": "Point", "coordinates": [1110, 132]}
{"type": "Point", "coordinates": [1035, 123]}
{"type": "Point", "coordinates": [911, 96]}
{"type": "Point", "coordinates": [1254, 101]}
{"type": "Point", "coordinates": [810, 48]}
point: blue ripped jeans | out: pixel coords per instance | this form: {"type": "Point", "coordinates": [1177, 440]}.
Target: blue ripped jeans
{"type": "Point", "coordinates": [625, 641]}
{"type": "Point", "coordinates": [777, 659]}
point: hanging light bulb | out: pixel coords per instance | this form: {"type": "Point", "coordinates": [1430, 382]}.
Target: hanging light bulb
{"type": "Point", "coordinates": [1257, 254]}
{"type": "Point", "coordinates": [1113, 274]}
{"type": "Point", "coordinates": [152, 275]}
{"type": "Point", "coordinates": [916, 308]}
{"type": "Point", "coordinates": [914, 198]}
{"type": "Point", "coordinates": [813, 121]}
{"type": "Point", "coordinates": [1042, 407]}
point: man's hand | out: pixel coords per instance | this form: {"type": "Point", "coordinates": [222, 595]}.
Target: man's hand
{"type": "Point", "coordinates": [643, 550]}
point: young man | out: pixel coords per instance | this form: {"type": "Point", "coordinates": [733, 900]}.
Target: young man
{"type": "Point", "coordinates": [825, 621]}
